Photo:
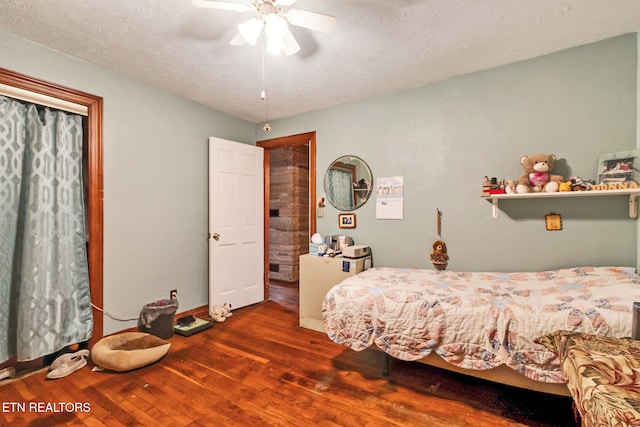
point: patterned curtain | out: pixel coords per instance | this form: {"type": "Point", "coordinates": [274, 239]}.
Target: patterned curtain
{"type": "Point", "coordinates": [45, 303]}
{"type": "Point", "coordinates": [340, 189]}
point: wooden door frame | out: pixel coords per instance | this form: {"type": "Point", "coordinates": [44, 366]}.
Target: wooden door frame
{"type": "Point", "coordinates": [95, 250]}
{"type": "Point", "coordinates": [287, 141]}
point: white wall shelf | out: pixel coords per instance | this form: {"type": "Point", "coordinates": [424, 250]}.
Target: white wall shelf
{"type": "Point", "coordinates": [632, 193]}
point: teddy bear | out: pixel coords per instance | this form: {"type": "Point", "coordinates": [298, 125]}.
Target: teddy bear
{"type": "Point", "coordinates": [439, 256]}
{"type": "Point", "coordinates": [537, 175]}
{"type": "Point", "coordinates": [220, 313]}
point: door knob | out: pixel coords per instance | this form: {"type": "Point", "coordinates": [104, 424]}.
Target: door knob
{"type": "Point", "coordinates": [215, 236]}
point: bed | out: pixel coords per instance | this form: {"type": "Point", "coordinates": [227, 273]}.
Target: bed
{"type": "Point", "coordinates": [482, 324]}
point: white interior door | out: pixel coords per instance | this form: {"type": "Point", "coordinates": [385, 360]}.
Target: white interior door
{"type": "Point", "coordinates": [236, 223]}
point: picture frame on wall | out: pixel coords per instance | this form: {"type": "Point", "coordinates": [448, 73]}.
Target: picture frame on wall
{"type": "Point", "coordinates": [622, 167]}
{"type": "Point", "coordinates": [347, 220]}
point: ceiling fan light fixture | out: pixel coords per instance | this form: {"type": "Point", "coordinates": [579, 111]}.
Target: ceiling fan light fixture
{"type": "Point", "coordinates": [274, 46]}
{"type": "Point", "coordinates": [275, 26]}
{"type": "Point", "coordinates": [250, 30]}
{"type": "Point", "coordinates": [238, 40]}
{"type": "Point", "coordinates": [279, 38]}
{"type": "Point", "coordinates": [271, 17]}
{"type": "Point", "coordinates": [291, 46]}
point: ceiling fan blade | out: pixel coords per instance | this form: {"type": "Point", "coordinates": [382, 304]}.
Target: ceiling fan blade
{"type": "Point", "coordinates": [311, 20]}
{"type": "Point", "coordinates": [224, 5]}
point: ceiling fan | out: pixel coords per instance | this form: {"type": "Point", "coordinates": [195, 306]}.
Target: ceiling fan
{"type": "Point", "coordinates": [272, 16]}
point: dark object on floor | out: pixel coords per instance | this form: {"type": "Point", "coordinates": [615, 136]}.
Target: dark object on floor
{"type": "Point", "coordinates": [186, 320]}
{"type": "Point", "coordinates": [198, 325]}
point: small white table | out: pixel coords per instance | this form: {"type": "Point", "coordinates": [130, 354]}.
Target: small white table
{"type": "Point", "coordinates": [318, 274]}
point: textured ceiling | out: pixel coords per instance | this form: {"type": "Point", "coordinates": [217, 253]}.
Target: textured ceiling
{"type": "Point", "coordinates": [378, 46]}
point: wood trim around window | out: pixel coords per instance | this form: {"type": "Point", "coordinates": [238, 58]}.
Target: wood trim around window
{"type": "Point", "coordinates": [95, 207]}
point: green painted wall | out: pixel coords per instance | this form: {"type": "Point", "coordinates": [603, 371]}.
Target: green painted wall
{"type": "Point", "coordinates": [155, 180]}
{"type": "Point", "coordinates": [445, 137]}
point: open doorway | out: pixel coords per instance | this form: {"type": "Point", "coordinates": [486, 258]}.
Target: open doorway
{"type": "Point", "coordinates": [290, 189]}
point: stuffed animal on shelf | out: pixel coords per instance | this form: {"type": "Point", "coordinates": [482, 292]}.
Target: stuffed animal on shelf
{"type": "Point", "coordinates": [510, 188]}
{"type": "Point", "coordinates": [439, 257]}
{"type": "Point", "coordinates": [537, 175]}
{"type": "Point", "coordinates": [578, 184]}
{"type": "Point", "coordinates": [220, 313]}
{"type": "Point", "coordinates": [565, 186]}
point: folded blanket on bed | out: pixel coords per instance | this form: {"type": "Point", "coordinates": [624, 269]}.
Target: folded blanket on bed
{"type": "Point", "coordinates": [603, 376]}
{"type": "Point", "coordinates": [479, 320]}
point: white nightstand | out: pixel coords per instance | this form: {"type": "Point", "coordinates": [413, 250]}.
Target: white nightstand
{"type": "Point", "coordinates": [318, 274]}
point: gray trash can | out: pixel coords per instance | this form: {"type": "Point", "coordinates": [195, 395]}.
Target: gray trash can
{"type": "Point", "coordinates": [157, 318]}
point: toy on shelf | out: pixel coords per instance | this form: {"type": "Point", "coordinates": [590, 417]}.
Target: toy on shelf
{"type": "Point", "coordinates": [578, 184]}
{"type": "Point", "coordinates": [486, 184]}
{"type": "Point", "coordinates": [491, 186]}
{"type": "Point", "coordinates": [537, 177]}
{"type": "Point", "coordinates": [510, 188]}
{"type": "Point", "coordinates": [564, 186]}
{"type": "Point", "coordinates": [616, 186]}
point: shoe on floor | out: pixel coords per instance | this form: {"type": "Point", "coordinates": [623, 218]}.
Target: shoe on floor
{"type": "Point", "coordinates": [68, 363]}
{"type": "Point", "coordinates": [66, 358]}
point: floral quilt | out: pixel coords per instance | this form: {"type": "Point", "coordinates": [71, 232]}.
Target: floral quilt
{"type": "Point", "coordinates": [603, 376]}
{"type": "Point", "coordinates": [479, 320]}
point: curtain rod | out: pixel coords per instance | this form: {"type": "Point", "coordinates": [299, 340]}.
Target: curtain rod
{"type": "Point", "coordinates": [48, 101]}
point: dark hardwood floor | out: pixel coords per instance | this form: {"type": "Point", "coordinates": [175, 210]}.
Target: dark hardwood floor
{"type": "Point", "coordinates": [260, 369]}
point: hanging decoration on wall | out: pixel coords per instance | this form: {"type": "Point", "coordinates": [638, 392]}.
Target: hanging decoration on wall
{"type": "Point", "coordinates": [439, 257]}
{"type": "Point", "coordinates": [553, 221]}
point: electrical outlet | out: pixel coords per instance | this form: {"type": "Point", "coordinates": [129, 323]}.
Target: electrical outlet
{"type": "Point", "coordinates": [173, 294]}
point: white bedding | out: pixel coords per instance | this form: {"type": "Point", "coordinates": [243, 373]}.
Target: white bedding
{"type": "Point", "coordinates": [479, 320]}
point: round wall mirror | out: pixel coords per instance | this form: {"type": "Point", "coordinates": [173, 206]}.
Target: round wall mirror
{"type": "Point", "coordinates": [348, 183]}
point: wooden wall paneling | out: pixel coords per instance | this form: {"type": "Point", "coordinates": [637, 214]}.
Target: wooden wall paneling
{"type": "Point", "coordinates": [308, 141]}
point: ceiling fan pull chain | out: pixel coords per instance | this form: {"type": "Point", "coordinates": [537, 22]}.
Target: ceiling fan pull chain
{"type": "Point", "coordinates": [263, 94]}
